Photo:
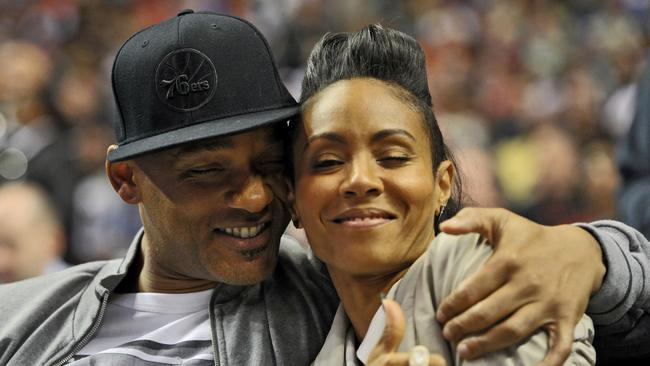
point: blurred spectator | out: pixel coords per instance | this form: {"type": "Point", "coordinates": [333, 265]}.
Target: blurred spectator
{"type": "Point", "coordinates": [601, 180]}
{"type": "Point", "coordinates": [634, 162]}
{"type": "Point", "coordinates": [102, 226]}
{"type": "Point", "coordinates": [618, 110]}
{"type": "Point", "coordinates": [25, 70]}
{"type": "Point", "coordinates": [480, 186]}
{"type": "Point", "coordinates": [31, 236]}
{"type": "Point", "coordinates": [558, 191]}
{"type": "Point", "coordinates": [31, 138]}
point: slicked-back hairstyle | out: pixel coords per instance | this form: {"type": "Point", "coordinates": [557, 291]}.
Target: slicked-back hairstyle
{"type": "Point", "coordinates": [377, 52]}
{"type": "Point", "coordinates": [387, 55]}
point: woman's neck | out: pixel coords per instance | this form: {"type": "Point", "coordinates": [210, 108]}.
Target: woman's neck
{"type": "Point", "coordinates": [360, 295]}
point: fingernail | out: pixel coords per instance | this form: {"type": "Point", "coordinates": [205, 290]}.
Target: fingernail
{"type": "Point", "coordinates": [463, 350]}
{"type": "Point", "coordinates": [447, 333]}
{"type": "Point", "coordinates": [441, 316]}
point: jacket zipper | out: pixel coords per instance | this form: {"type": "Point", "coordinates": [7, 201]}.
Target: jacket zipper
{"type": "Point", "coordinates": [213, 329]}
{"type": "Point", "coordinates": [90, 334]}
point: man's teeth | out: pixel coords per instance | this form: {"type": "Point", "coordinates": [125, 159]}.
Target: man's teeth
{"type": "Point", "coordinates": [243, 232]}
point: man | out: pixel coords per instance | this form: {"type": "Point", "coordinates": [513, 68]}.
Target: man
{"type": "Point", "coordinates": [201, 153]}
{"type": "Point", "coordinates": [207, 281]}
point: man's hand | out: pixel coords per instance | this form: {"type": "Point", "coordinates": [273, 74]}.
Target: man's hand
{"type": "Point", "coordinates": [384, 352]}
{"type": "Point", "coordinates": [538, 276]}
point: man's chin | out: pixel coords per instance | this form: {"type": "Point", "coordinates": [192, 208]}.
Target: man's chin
{"type": "Point", "coordinates": [249, 272]}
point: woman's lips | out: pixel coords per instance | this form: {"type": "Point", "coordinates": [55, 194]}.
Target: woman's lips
{"type": "Point", "coordinates": [363, 217]}
{"type": "Point", "coordinates": [365, 222]}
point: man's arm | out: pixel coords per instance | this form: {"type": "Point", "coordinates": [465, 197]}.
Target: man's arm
{"type": "Point", "coordinates": [624, 291]}
{"type": "Point", "coordinates": [620, 309]}
{"type": "Point", "coordinates": [542, 276]}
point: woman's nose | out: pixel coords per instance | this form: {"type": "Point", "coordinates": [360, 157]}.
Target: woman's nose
{"type": "Point", "coordinates": [361, 179]}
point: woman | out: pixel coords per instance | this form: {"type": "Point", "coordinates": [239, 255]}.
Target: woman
{"type": "Point", "coordinates": [372, 177]}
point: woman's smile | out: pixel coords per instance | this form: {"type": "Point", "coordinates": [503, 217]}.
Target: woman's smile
{"type": "Point", "coordinates": [363, 218]}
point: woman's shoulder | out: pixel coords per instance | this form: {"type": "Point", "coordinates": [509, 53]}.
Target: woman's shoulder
{"type": "Point", "coordinates": [468, 250]}
{"type": "Point", "coordinates": [452, 258]}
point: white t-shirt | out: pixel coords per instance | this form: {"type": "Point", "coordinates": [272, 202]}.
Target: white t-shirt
{"type": "Point", "coordinates": [152, 329]}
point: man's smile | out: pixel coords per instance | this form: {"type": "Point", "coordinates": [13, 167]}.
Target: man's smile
{"type": "Point", "coordinates": [243, 232]}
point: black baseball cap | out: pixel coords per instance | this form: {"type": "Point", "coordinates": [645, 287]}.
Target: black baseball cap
{"type": "Point", "coordinates": [195, 76]}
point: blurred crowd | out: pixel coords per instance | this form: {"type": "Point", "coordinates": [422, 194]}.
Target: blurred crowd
{"type": "Point", "coordinates": [532, 95]}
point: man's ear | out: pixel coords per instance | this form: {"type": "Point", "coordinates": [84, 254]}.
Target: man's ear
{"type": "Point", "coordinates": [120, 174]}
{"type": "Point", "coordinates": [444, 180]}
{"type": "Point", "coordinates": [291, 203]}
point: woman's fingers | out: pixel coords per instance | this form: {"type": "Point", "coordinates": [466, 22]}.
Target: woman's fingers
{"type": "Point", "coordinates": [393, 331]}
{"type": "Point", "coordinates": [384, 352]}
{"type": "Point", "coordinates": [402, 359]}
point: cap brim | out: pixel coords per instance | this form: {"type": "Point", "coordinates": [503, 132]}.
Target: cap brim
{"type": "Point", "coordinates": [201, 131]}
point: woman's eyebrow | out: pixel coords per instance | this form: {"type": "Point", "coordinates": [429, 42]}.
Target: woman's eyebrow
{"type": "Point", "coordinates": [335, 137]}
{"type": "Point", "coordinates": [389, 132]}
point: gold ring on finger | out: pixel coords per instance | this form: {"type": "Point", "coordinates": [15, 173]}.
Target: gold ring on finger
{"type": "Point", "coordinates": [419, 356]}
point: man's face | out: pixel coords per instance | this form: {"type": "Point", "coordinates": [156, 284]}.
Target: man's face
{"type": "Point", "coordinates": [213, 210]}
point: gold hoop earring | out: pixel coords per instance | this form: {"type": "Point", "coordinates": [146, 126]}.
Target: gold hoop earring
{"type": "Point", "coordinates": [442, 211]}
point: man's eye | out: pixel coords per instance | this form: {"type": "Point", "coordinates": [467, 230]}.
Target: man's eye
{"type": "Point", "coordinates": [326, 163]}
{"type": "Point", "coordinates": [203, 171]}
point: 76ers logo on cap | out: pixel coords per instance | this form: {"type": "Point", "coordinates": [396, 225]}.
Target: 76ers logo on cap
{"type": "Point", "coordinates": [186, 79]}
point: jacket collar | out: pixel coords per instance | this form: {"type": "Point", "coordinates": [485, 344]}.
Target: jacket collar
{"type": "Point", "coordinates": [115, 271]}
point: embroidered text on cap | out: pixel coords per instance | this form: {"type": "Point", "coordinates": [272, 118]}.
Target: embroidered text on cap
{"type": "Point", "coordinates": [186, 79]}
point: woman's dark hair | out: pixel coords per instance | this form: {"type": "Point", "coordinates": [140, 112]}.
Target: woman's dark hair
{"type": "Point", "coordinates": [390, 56]}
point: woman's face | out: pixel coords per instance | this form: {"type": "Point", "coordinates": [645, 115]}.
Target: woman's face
{"type": "Point", "coordinates": [365, 189]}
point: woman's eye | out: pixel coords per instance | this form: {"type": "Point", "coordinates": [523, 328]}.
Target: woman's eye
{"type": "Point", "coordinates": [395, 160]}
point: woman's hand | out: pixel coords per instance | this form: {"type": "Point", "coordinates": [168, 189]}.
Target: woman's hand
{"type": "Point", "coordinates": [538, 277]}
{"type": "Point", "coordinates": [384, 352]}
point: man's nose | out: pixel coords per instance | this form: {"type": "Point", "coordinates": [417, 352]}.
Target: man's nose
{"type": "Point", "coordinates": [254, 196]}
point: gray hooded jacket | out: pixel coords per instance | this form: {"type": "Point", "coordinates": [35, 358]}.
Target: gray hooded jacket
{"type": "Point", "coordinates": [281, 321]}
